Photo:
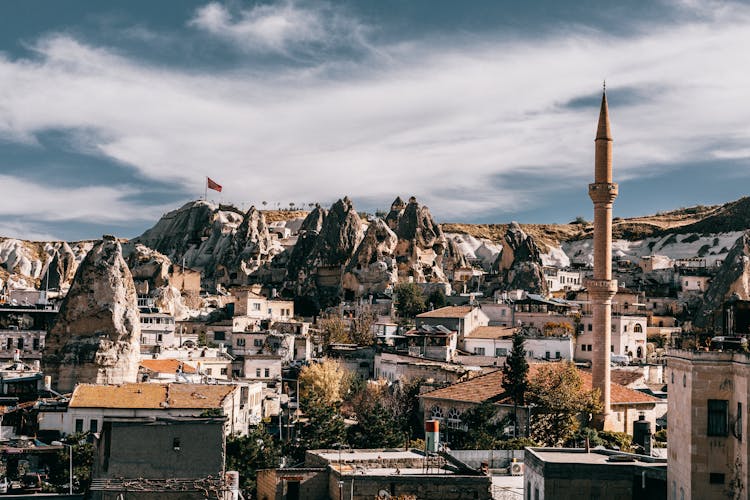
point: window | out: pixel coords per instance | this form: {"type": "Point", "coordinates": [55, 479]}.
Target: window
{"type": "Point", "coordinates": [625, 328]}
{"type": "Point", "coordinates": [716, 478]}
{"type": "Point", "coordinates": [36, 344]}
{"type": "Point", "coordinates": [219, 336]}
{"type": "Point", "coordinates": [223, 371]}
{"type": "Point", "coordinates": [258, 342]}
{"type": "Point", "coordinates": [176, 444]}
{"type": "Point", "coordinates": [501, 351]}
{"type": "Point", "coordinates": [738, 424]}
{"type": "Point", "coordinates": [257, 372]}
{"type": "Point", "coordinates": [557, 354]}
{"type": "Point", "coordinates": [479, 351]}
{"type": "Point", "coordinates": [9, 343]}
{"type": "Point", "coordinates": [159, 337]}
{"type": "Point", "coordinates": [267, 372]}
{"type": "Point", "coordinates": [209, 371]}
{"type": "Point", "coordinates": [94, 425]}
{"type": "Point", "coordinates": [454, 418]}
{"type": "Point", "coordinates": [611, 348]}
{"type": "Point", "coordinates": [436, 413]}
{"type": "Point", "coordinates": [256, 307]}
{"type": "Point", "coordinates": [546, 354]}
{"type": "Point", "coordinates": [20, 342]}
{"type": "Point", "coordinates": [638, 328]}
{"type": "Point", "coordinates": [590, 327]}
{"type": "Point", "coordinates": [718, 421]}
{"type": "Point", "coordinates": [79, 425]}
{"type": "Point", "coordinates": [240, 342]}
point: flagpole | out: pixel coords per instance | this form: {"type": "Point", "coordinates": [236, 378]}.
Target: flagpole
{"type": "Point", "coordinates": [205, 189]}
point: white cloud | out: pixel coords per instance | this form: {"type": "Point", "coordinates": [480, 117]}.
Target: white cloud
{"type": "Point", "coordinates": [282, 28]}
{"type": "Point", "coordinates": [436, 118]}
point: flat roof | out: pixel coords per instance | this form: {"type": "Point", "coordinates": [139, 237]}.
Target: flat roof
{"type": "Point", "coordinates": [594, 457]}
{"type": "Point", "coordinates": [364, 455]}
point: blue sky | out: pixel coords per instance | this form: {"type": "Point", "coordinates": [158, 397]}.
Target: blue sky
{"type": "Point", "coordinates": [112, 113]}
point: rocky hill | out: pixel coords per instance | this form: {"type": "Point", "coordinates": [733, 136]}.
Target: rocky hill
{"type": "Point", "coordinates": [325, 253]}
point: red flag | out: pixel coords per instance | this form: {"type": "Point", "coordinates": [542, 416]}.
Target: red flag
{"type": "Point", "coordinates": [213, 185]}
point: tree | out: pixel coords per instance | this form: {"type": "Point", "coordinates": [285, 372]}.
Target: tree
{"type": "Point", "coordinates": [482, 431]}
{"type": "Point", "coordinates": [247, 454]}
{"type": "Point", "coordinates": [376, 427]}
{"type": "Point", "coordinates": [560, 404]}
{"type": "Point", "coordinates": [325, 425]}
{"type": "Point", "coordinates": [516, 376]}
{"type": "Point", "coordinates": [361, 328]}
{"type": "Point", "coordinates": [437, 299]}
{"type": "Point", "coordinates": [409, 300]}
{"type": "Point", "coordinates": [326, 382]}
{"type": "Point", "coordinates": [83, 460]}
{"type": "Point", "coordinates": [333, 330]}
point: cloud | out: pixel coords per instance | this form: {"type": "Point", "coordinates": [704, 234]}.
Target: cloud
{"type": "Point", "coordinates": [281, 28]}
{"type": "Point", "coordinates": [24, 199]}
{"type": "Point", "coordinates": [440, 119]}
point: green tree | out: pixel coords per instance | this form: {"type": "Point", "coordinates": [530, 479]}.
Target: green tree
{"type": "Point", "coordinates": [376, 427]}
{"type": "Point", "coordinates": [516, 376]}
{"type": "Point", "coordinates": [482, 430]}
{"type": "Point", "coordinates": [409, 300]}
{"type": "Point", "coordinates": [325, 425]}
{"type": "Point", "coordinates": [437, 299]}
{"type": "Point", "coordinates": [560, 404]}
{"type": "Point", "coordinates": [360, 331]}
{"type": "Point", "coordinates": [83, 460]}
{"type": "Point", "coordinates": [247, 454]}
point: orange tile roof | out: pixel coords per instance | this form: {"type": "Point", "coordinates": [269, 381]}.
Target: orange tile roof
{"type": "Point", "coordinates": [149, 396]}
{"type": "Point", "coordinates": [447, 312]}
{"type": "Point", "coordinates": [490, 332]}
{"type": "Point", "coordinates": [490, 387]}
{"type": "Point", "coordinates": [167, 365]}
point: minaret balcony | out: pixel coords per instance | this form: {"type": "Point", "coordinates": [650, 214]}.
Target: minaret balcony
{"type": "Point", "coordinates": [603, 192]}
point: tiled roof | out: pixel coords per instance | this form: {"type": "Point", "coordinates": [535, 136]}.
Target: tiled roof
{"type": "Point", "coordinates": [490, 387]}
{"type": "Point", "coordinates": [167, 365]}
{"type": "Point", "coordinates": [149, 396]}
{"type": "Point", "coordinates": [490, 332]}
{"type": "Point", "coordinates": [447, 312]}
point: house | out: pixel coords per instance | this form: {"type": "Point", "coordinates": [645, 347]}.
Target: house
{"type": "Point", "coordinates": [393, 367]}
{"type": "Point", "coordinates": [576, 473]}
{"type": "Point", "coordinates": [364, 474]}
{"type": "Point", "coordinates": [165, 458]}
{"type": "Point", "coordinates": [709, 394]}
{"type": "Point", "coordinates": [449, 403]}
{"type": "Point", "coordinates": [249, 302]}
{"type": "Point", "coordinates": [563, 279]}
{"type": "Point", "coordinates": [460, 319]}
{"type": "Point", "coordinates": [262, 367]}
{"type": "Point", "coordinates": [90, 404]}
{"type": "Point", "coordinates": [438, 343]}
{"type": "Point", "coordinates": [186, 280]}
{"type": "Point", "coordinates": [157, 331]}
{"type": "Point", "coordinates": [629, 336]}
{"type": "Point", "coordinates": [497, 341]}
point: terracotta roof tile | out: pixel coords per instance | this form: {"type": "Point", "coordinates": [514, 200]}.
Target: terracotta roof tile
{"type": "Point", "coordinates": [167, 365]}
{"type": "Point", "coordinates": [447, 312]}
{"type": "Point", "coordinates": [490, 387]}
{"type": "Point", "coordinates": [491, 332]}
{"type": "Point", "coordinates": [149, 396]}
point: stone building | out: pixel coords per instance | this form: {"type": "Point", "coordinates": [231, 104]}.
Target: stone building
{"type": "Point", "coordinates": [708, 424]}
{"type": "Point", "coordinates": [159, 459]}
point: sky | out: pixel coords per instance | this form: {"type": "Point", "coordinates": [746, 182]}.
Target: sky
{"type": "Point", "coordinates": [113, 113]}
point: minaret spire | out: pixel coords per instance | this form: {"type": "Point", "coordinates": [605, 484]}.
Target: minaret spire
{"type": "Point", "coordinates": [602, 287]}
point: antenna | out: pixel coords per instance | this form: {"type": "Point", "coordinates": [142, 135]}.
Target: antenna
{"type": "Point", "coordinates": [604, 87]}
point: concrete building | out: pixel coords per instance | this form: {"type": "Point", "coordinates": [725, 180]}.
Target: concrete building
{"type": "Point", "coordinates": [393, 367]}
{"type": "Point", "coordinates": [157, 331]}
{"type": "Point", "coordinates": [575, 474]}
{"type": "Point", "coordinates": [708, 424]}
{"type": "Point", "coordinates": [602, 287]}
{"type": "Point", "coordinates": [159, 459]}
{"type": "Point", "coordinates": [497, 341]}
{"type": "Point", "coordinates": [368, 474]}
{"type": "Point", "coordinates": [460, 319]}
{"type": "Point", "coordinates": [628, 338]}
{"type": "Point", "coordinates": [91, 404]}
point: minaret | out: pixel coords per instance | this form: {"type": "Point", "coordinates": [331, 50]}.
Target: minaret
{"type": "Point", "coordinates": [602, 287]}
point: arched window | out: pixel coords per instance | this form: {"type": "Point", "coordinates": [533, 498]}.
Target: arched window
{"type": "Point", "coordinates": [638, 328]}
{"type": "Point", "coordinates": [436, 413]}
{"type": "Point", "coordinates": [454, 418]}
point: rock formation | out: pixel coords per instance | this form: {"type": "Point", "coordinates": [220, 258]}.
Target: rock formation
{"type": "Point", "coordinates": [96, 338]}
{"type": "Point", "coordinates": [227, 245]}
{"type": "Point", "coordinates": [373, 269]}
{"type": "Point", "coordinates": [519, 264]}
{"type": "Point", "coordinates": [421, 244]}
{"type": "Point", "coordinates": [151, 273]}
{"type": "Point", "coordinates": [732, 280]}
